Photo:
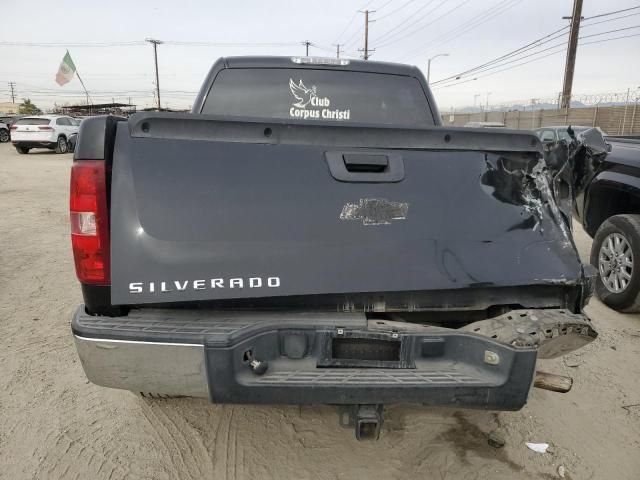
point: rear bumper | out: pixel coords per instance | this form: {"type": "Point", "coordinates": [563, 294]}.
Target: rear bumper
{"type": "Point", "coordinates": [35, 144]}
{"type": "Point", "coordinates": [205, 354]}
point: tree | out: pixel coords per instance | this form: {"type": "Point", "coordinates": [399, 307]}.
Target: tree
{"type": "Point", "coordinates": [28, 108]}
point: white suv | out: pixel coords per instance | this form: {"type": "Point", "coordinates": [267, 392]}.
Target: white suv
{"type": "Point", "coordinates": [43, 131]}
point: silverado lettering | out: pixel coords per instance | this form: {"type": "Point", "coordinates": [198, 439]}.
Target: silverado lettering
{"type": "Point", "coordinates": [179, 285]}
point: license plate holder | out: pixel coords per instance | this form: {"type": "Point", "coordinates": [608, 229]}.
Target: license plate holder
{"type": "Point", "coordinates": [360, 349]}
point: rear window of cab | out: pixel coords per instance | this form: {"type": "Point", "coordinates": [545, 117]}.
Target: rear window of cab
{"type": "Point", "coordinates": [319, 95]}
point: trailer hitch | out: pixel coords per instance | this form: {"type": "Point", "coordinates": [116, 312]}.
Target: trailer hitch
{"type": "Point", "coordinates": [366, 419]}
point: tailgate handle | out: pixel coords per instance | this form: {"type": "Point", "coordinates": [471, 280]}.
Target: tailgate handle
{"type": "Point", "coordinates": [366, 167]}
{"type": "Point", "coordinates": [365, 162]}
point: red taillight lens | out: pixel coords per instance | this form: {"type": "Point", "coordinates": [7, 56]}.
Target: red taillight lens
{"type": "Point", "coordinates": [90, 221]}
{"type": "Point", "coordinates": [47, 129]}
{"type": "Point", "coordinates": [13, 127]}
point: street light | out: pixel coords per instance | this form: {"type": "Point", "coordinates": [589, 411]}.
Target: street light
{"type": "Point", "coordinates": [429, 63]}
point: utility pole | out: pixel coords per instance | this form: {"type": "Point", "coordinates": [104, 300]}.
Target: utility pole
{"type": "Point", "coordinates": [13, 93]}
{"type": "Point", "coordinates": [306, 43]}
{"type": "Point", "coordinates": [338, 45]}
{"type": "Point", "coordinates": [487, 101]}
{"type": "Point", "coordinates": [155, 44]}
{"type": "Point", "coordinates": [366, 50]}
{"type": "Point", "coordinates": [571, 53]}
{"type": "Point", "coordinates": [475, 99]}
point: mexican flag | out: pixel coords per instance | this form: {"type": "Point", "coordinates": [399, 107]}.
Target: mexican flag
{"type": "Point", "coordinates": [66, 71]}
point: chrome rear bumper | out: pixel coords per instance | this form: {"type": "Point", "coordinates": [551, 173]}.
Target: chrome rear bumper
{"type": "Point", "coordinates": [146, 367]}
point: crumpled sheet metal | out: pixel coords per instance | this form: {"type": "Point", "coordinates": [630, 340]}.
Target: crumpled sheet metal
{"type": "Point", "coordinates": [553, 332]}
{"type": "Point", "coordinates": [576, 161]}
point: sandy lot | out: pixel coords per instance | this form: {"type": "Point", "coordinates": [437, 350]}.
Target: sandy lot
{"type": "Point", "coordinates": [54, 424]}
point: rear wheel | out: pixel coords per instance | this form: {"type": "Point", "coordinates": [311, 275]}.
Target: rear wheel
{"type": "Point", "coordinates": [4, 135]}
{"type": "Point", "coordinates": [615, 252]}
{"type": "Point", "coordinates": [61, 146]}
{"type": "Point", "coordinates": [22, 150]}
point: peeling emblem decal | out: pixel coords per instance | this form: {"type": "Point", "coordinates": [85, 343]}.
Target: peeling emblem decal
{"type": "Point", "coordinates": [375, 211]}
{"type": "Point", "coordinates": [306, 100]}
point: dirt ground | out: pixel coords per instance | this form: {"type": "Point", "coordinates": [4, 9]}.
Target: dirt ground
{"type": "Point", "coordinates": [54, 424]}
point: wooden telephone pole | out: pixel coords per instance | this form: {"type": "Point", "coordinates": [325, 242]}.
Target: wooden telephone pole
{"type": "Point", "coordinates": [306, 43]}
{"type": "Point", "coordinates": [565, 100]}
{"type": "Point", "coordinates": [366, 50]}
{"type": "Point", "coordinates": [155, 57]}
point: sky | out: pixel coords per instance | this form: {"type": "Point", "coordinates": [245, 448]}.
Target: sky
{"type": "Point", "coordinates": [106, 42]}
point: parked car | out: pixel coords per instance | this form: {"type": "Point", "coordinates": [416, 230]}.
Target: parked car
{"type": "Point", "coordinates": [301, 237]}
{"type": "Point", "coordinates": [4, 133]}
{"type": "Point", "coordinates": [484, 125]}
{"type": "Point", "coordinates": [42, 131]}
{"type": "Point", "coordinates": [555, 133]}
{"type": "Point", "coordinates": [10, 119]}
{"type": "Point", "coordinates": [71, 142]}
{"type": "Point", "coordinates": [73, 138]}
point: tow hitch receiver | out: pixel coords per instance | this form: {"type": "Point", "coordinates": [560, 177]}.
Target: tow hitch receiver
{"type": "Point", "coordinates": [366, 419]}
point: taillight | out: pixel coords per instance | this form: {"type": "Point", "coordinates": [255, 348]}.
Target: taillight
{"type": "Point", "coordinates": [13, 127]}
{"type": "Point", "coordinates": [90, 221]}
{"type": "Point", "coordinates": [47, 129]}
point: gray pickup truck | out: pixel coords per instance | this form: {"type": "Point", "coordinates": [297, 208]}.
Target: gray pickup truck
{"type": "Point", "coordinates": [312, 234]}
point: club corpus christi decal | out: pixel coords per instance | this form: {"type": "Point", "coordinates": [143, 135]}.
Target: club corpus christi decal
{"type": "Point", "coordinates": [307, 104]}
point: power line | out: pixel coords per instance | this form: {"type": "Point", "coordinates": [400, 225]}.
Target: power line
{"type": "Point", "coordinates": [607, 20]}
{"type": "Point", "coordinates": [355, 15]}
{"type": "Point", "coordinates": [474, 22]}
{"type": "Point", "coordinates": [502, 63]}
{"type": "Point", "coordinates": [74, 45]}
{"type": "Point", "coordinates": [396, 10]}
{"type": "Point", "coordinates": [612, 13]}
{"type": "Point", "coordinates": [229, 44]}
{"type": "Point", "coordinates": [535, 43]}
{"type": "Point", "coordinates": [455, 34]}
{"type": "Point", "coordinates": [410, 17]}
{"type": "Point", "coordinates": [391, 40]}
{"type": "Point", "coordinates": [141, 43]}
{"type": "Point", "coordinates": [560, 50]}
{"type": "Point", "coordinates": [353, 39]}
{"type": "Point", "coordinates": [530, 46]}
{"type": "Point", "coordinates": [383, 5]}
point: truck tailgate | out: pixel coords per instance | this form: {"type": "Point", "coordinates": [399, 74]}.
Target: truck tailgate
{"type": "Point", "coordinates": [207, 209]}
